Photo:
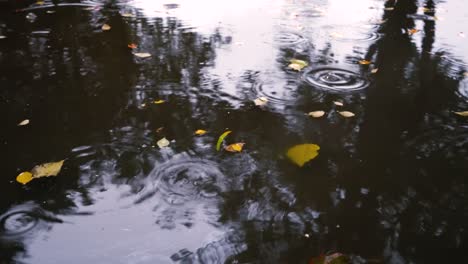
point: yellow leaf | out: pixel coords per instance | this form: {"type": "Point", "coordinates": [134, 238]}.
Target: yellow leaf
{"type": "Point", "coordinates": [236, 147]}
{"type": "Point", "coordinates": [261, 101]}
{"type": "Point", "coordinates": [40, 2]}
{"type": "Point", "coordinates": [346, 113]}
{"type": "Point", "coordinates": [364, 62]}
{"type": "Point", "coordinates": [338, 103]}
{"type": "Point", "coordinates": [142, 54]}
{"type": "Point", "coordinates": [24, 122]}
{"type": "Point", "coordinates": [159, 102]}
{"type": "Point", "coordinates": [297, 64]}
{"type": "Point", "coordinates": [24, 177]}
{"type": "Point", "coordinates": [163, 142]}
{"type": "Point", "coordinates": [106, 27]}
{"type": "Point", "coordinates": [47, 169]}
{"type": "Point", "coordinates": [316, 114]}
{"type": "Point", "coordinates": [300, 154]}
{"type": "Point", "coordinates": [200, 132]}
{"type": "Point", "coordinates": [374, 70]}
{"type": "Point", "coordinates": [463, 113]}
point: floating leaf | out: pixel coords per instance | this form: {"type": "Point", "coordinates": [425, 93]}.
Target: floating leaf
{"type": "Point", "coordinates": [463, 113]}
{"type": "Point", "coordinates": [2, 37]}
{"type": "Point", "coordinates": [159, 130]}
{"type": "Point", "coordinates": [221, 138]}
{"type": "Point", "coordinates": [163, 142]}
{"type": "Point", "coordinates": [300, 154]}
{"type": "Point", "coordinates": [47, 169]}
{"type": "Point", "coordinates": [412, 31]}
{"type": "Point", "coordinates": [389, 8]}
{"type": "Point", "coordinates": [127, 15]}
{"type": "Point", "coordinates": [236, 147]}
{"type": "Point", "coordinates": [40, 2]}
{"type": "Point", "coordinates": [364, 62]}
{"type": "Point", "coordinates": [200, 132]}
{"type": "Point", "coordinates": [261, 101]}
{"type": "Point", "coordinates": [24, 177]}
{"type": "Point", "coordinates": [374, 70]}
{"type": "Point", "coordinates": [316, 114]}
{"type": "Point", "coordinates": [106, 27]}
{"type": "Point", "coordinates": [50, 11]}
{"type": "Point", "coordinates": [297, 65]}
{"type": "Point", "coordinates": [24, 122]}
{"type": "Point", "coordinates": [346, 113]}
{"type": "Point", "coordinates": [142, 54]}
{"type": "Point", "coordinates": [132, 46]}
{"type": "Point", "coordinates": [338, 103]}
{"type": "Point", "coordinates": [159, 102]}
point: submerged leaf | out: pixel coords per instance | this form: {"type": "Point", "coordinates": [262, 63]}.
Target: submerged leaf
{"type": "Point", "coordinates": [236, 147]}
{"type": "Point", "coordinates": [142, 55]}
{"type": "Point", "coordinates": [24, 177]}
{"type": "Point", "coordinates": [159, 102]}
{"type": "Point", "coordinates": [364, 62]}
{"type": "Point", "coordinates": [346, 113]}
{"type": "Point", "coordinates": [163, 142]}
{"type": "Point", "coordinates": [24, 122]}
{"type": "Point", "coordinates": [200, 132]}
{"type": "Point", "coordinates": [47, 169]}
{"type": "Point", "coordinates": [316, 114]}
{"type": "Point", "coordinates": [106, 27]}
{"type": "Point", "coordinates": [221, 138]}
{"type": "Point", "coordinates": [463, 113]}
{"type": "Point", "coordinates": [261, 101]}
{"type": "Point", "coordinates": [300, 154]}
{"type": "Point", "coordinates": [297, 65]}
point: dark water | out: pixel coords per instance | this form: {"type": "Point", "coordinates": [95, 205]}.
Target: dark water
{"type": "Point", "coordinates": [389, 184]}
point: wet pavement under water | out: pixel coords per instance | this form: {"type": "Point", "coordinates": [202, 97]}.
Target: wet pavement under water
{"type": "Point", "coordinates": [388, 185]}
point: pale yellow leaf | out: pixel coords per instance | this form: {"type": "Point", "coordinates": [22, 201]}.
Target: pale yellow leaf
{"type": "Point", "coordinates": [316, 114]}
{"type": "Point", "coordinates": [261, 101]}
{"type": "Point", "coordinates": [47, 169]}
{"type": "Point", "coordinates": [106, 27]}
{"type": "Point", "coordinates": [200, 132]}
{"type": "Point", "coordinates": [128, 15]}
{"type": "Point", "coordinates": [163, 142]}
{"type": "Point", "coordinates": [142, 54]}
{"type": "Point", "coordinates": [375, 70]}
{"type": "Point", "coordinates": [159, 102]}
{"type": "Point", "coordinates": [24, 177]}
{"type": "Point", "coordinates": [346, 114]}
{"type": "Point", "coordinates": [236, 147]}
{"type": "Point", "coordinates": [24, 122]}
{"type": "Point", "coordinates": [338, 103]}
{"type": "Point", "coordinates": [300, 154]}
{"type": "Point", "coordinates": [40, 2]}
{"type": "Point", "coordinates": [2, 37]}
{"type": "Point", "coordinates": [389, 8]}
{"type": "Point", "coordinates": [297, 65]}
{"type": "Point", "coordinates": [463, 113]}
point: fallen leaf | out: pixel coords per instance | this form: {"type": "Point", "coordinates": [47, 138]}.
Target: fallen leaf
{"type": "Point", "coordinates": [316, 114]}
{"type": "Point", "coordinates": [24, 122]}
{"type": "Point", "coordinates": [142, 54]}
{"type": "Point", "coordinates": [374, 70]}
{"type": "Point", "coordinates": [163, 142]}
{"type": "Point", "coordinates": [106, 27]}
{"type": "Point", "coordinates": [40, 2]}
{"type": "Point", "coordinates": [2, 37]}
{"type": "Point", "coordinates": [261, 101]}
{"type": "Point", "coordinates": [300, 154]}
{"type": "Point", "coordinates": [47, 169]}
{"type": "Point", "coordinates": [24, 177]}
{"type": "Point", "coordinates": [427, 10]}
{"type": "Point", "coordinates": [297, 65]}
{"type": "Point", "coordinates": [159, 102]}
{"type": "Point", "coordinates": [159, 130]}
{"type": "Point", "coordinates": [338, 103]}
{"type": "Point", "coordinates": [346, 113]}
{"type": "Point", "coordinates": [221, 138]}
{"type": "Point", "coordinates": [200, 132]}
{"type": "Point", "coordinates": [50, 12]}
{"type": "Point", "coordinates": [127, 15]}
{"type": "Point", "coordinates": [412, 31]}
{"type": "Point", "coordinates": [463, 113]}
{"type": "Point", "coordinates": [364, 62]}
{"type": "Point", "coordinates": [132, 46]}
{"type": "Point", "coordinates": [389, 8]}
{"type": "Point", "coordinates": [236, 147]}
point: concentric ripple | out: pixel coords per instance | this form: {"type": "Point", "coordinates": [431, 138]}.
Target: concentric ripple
{"type": "Point", "coordinates": [182, 179]}
{"type": "Point", "coordinates": [285, 38]}
{"type": "Point", "coordinates": [335, 79]}
{"type": "Point", "coordinates": [17, 223]}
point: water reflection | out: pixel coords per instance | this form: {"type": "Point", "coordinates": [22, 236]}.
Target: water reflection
{"type": "Point", "coordinates": [387, 186]}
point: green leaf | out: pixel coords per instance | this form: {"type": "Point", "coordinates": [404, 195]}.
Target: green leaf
{"type": "Point", "coordinates": [221, 138]}
{"type": "Point", "coordinates": [300, 154]}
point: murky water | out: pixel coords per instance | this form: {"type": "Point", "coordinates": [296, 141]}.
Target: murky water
{"type": "Point", "coordinates": [388, 186]}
